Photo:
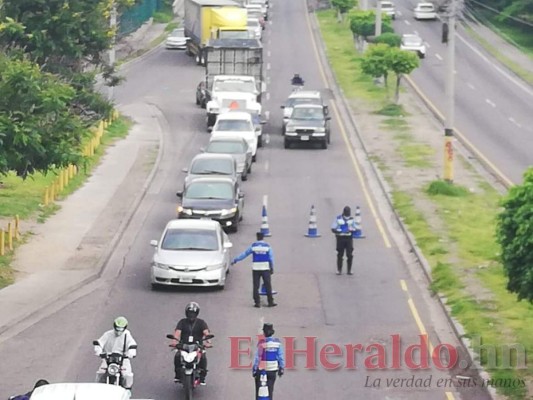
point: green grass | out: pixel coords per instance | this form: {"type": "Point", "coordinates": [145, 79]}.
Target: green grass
{"type": "Point", "coordinates": [163, 17]}
{"type": "Point", "coordinates": [24, 198]}
{"type": "Point", "coordinates": [462, 252]}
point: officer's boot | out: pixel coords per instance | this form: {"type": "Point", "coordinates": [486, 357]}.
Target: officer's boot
{"type": "Point", "coordinates": [339, 265]}
{"type": "Point", "coordinates": [350, 259]}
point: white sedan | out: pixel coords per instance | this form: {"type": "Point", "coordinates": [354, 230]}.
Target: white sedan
{"type": "Point", "coordinates": [425, 11]}
{"type": "Point", "coordinates": [177, 40]}
{"type": "Point", "coordinates": [239, 124]}
{"type": "Point", "coordinates": [191, 252]}
{"type": "Point", "coordinates": [412, 42]}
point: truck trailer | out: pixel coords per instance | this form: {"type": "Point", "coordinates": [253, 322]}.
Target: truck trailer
{"type": "Point", "coordinates": [235, 57]}
{"type": "Point", "coordinates": [205, 20]}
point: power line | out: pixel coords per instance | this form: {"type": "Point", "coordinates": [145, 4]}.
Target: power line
{"type": "Point", "coordinates": [498, 12]}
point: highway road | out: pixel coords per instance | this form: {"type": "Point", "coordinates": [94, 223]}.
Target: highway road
{"type": "Point", "coordinates": [493, 108]}
{"type": "Point", "coordinates": [382, 299]}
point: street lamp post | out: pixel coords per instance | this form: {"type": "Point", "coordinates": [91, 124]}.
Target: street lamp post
{"type": "Point", "coordinates": [450, 96]}
{"type": "Point", "coordinates": [378, 18]}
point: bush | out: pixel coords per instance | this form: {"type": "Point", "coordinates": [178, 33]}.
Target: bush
{"type": "Point", "coordinates": [444, 188]}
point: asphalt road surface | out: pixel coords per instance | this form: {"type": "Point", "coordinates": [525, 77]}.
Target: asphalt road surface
{"type": "Point", "coordinates": [492, 107]}
{"type": "Point", "coordinates": [382, 298]}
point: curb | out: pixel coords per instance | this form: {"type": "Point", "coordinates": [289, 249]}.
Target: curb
{"type": "Point", "coordinates": [339, 94]}
{"type": "Point", "coordinates": [101, 264]}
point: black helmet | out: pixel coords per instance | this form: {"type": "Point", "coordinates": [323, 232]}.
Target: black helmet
{"type": "Point", "coordinates": [268, 329]}
{"type": "Point", "coordinates": [296, 75]}
{"type": "Point", "coordinates": [346, 211]}
{"type": "Point", "coordinates": [192, 310]}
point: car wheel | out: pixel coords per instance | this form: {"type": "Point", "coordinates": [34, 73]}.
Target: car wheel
{"type": "Point", "coordinates": [421, 55]}
{"type": "Point", "coordinates": [329, 137]}
{"type": "Point", "coordinates": [286, 144]}
{"type": "Point", "coordinates": [254, 157]}
{"type": "Point", "coordinates": [197, 101]}
{"type": "Point", "coordinates": [283, 130]}
{"type": "Point", "coordinates": [244, 177]}
{"type": "Point", "coordinates": [204, 103]}
{"type": "Point", "coordinates": [235, 226]}
{"type": "Point", "coordinates": [197, 59]}
{"type": "Point", "coordinates": [325, 144]}
{"type": "Point", "coordinates": [155, 286]}
{"type": "Point", "coordinates": [260, 141]}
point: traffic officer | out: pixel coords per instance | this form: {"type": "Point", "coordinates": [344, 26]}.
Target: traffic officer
{"type": "Point", "coordinates": [343, 228]}
{"type": "Point", "coordinates": [262, 267]}
{"type": "Point", "coordinates": [269, 358]}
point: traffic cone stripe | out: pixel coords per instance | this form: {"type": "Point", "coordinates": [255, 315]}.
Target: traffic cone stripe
{"type": "Point", "coordinates": [265, 230]}
{"type": "Point", "coordinates": [312, 230]}
{"type": "Point", "coordinates": [358, 234]}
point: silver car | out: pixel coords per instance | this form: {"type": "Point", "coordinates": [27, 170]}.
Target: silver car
{"type": "Point", "coordinates": [191, 252]}
{"type": "Point", "coordinates": [237, 147]}
{"type": "Point", "coordinates": [412, 42]}
{"type": "Point", "coordinates": [177, 39]}
{"type": "Point", "coordinates": [211, 165]}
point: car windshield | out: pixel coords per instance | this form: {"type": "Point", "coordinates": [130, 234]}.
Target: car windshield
{"type": "Point", "coordinates": [294, 101]}
{"type": "Point", "coordinates": [425, 7]}
{"type": "Point", "coordinates": [227, 147]}
{"type": "Point", "coordinates": [190, 239]}
{"type": "Point", "coordinates": [233, 125]}
{"type": "Point", "coordinates": [386, 5]}
{"type": "Point", "coordinates": [253, 23]}
{"type": "Point", "coordinates": [234, 86]}
{"type": "Point", "coordinates": [178, 33]}
{"type": "Point", "coordinates": [412, 40]}
{"type": "Point", "coordinates": [207, 167]}
{"type": "Point", "coordinates": [211, 190]}
{"type": "Point", "coordinates": [307, 113]}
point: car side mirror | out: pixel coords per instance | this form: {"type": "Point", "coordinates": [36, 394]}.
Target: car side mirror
{"type": "Point", "coordinates": [326, 109]}
{"type": "Point", "coordinates": [202, 149]}
{"type": "Point", "coordinates": [282, 107]}
{"type": "Point", "coordinates": [241, 195]}
{"type": "Point", "coordinates": [179, 194]}
{"type": "Point", "coordinates": [184, 170]}
{"type": "Point", "coordinates": [95, 343]}
{"type": "Point", "coordinates": [153, 243]}
{"type": "Point", "coordinates": [228, 245]}
{"type": "Point", "coordinates": [263, 122]}
{"type": "Point", "coordinates": [328, 118]}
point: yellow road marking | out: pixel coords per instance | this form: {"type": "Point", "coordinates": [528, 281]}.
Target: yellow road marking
{"type": "Point", "coordinates": [421, 328]}
{"type": "Point", "coordinates": [459, 134]}
{"type": "Point", "coordinates": [347, 142]}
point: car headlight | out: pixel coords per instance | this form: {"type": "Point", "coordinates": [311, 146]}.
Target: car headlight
{"type": "Point", "coordinates": [161, 266]}
{"type": "Point", "coordinates": [320, 130]}
{"type": "Point", "coordinates": [182, 210]}
{"type": "Point", "coordinates": [228, 211]}
{"type": "Point", "coordinates": [214, 267]}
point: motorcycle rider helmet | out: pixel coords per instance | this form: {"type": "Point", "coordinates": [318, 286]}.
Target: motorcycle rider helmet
{"type": "Point", "coordinates": [119, 325]}
{"type": "Point", "coordinates": [192, 310]}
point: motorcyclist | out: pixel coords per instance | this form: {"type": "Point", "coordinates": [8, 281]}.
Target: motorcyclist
{"type": "Point", "coordinates": [117, 340]}
{"type": "Point", "coordinates": [297, 80]}
{"type": "Point", "coordinates": [196, 327]}
{"type": "Point", "coordinates": [39, 383]}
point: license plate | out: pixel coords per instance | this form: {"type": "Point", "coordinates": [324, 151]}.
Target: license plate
{"type": "Point", "coordinates": [304, 138]}
{"type": "Point", "coordinates": [186, 280]}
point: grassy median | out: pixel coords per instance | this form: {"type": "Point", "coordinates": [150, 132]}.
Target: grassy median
{"type": "Point", "coordinates": [25, 197]}
{"type": "Point", "coordinates": [456, 232]}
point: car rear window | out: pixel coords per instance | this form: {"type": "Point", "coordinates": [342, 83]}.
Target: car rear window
{"type": "Point", "coordinates": [233, 125]}
{"type": "Point", "coordinates": [190, 239]}
{"type": "Point", "coordinates": [210, 166]}
{"type": "Point", "coordinates": [306, 100]}
{"type": "Point", "coordinates": [226, 147]}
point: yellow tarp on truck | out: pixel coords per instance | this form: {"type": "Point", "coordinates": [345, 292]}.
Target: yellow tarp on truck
{"type": "Point", "coordinates": [224, 18]}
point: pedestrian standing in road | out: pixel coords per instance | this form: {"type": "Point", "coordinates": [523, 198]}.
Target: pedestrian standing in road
{"type": "Point", "coordinates": [262, 267]}
{"type": "Point", "coordinates": [343, 227]}
{"type": "Point", "coordinates": [268, 358]}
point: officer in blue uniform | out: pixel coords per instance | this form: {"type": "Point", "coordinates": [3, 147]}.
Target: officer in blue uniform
{"type": "Point", "coordinates": [343, 228]}
{"type": "Point", "coordinates": [269, 358]}
{"type": "Point", "coordinates": [262, 267]}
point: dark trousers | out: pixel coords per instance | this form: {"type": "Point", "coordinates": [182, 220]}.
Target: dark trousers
{"type": "Point", "coordinates": [344, 244]}
{"type": "Point", "coordinates": [257, 276]}
{"type": "Point", "coordinates": [271, 379]}
{"type": "Point", "coordinates": [202, 365]}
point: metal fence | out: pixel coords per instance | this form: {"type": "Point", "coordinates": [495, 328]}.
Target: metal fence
{"type": "Point", "coordinates": [132, 18]}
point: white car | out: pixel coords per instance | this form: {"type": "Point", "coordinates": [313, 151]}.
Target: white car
{"type": "Point", "coordinates": [191, 252]}
{"type": "Point", "coordinates": [412, 42]}
{"type": "Point", "coordinates": [425, 11]}
{"type": "Point", "coordinates": [237, 123]}
{"type": "Point", "coordinates": [254, 26]}
{"type": "Point", "coordinates": [232, 84]}
{"type": "Point", "coordinates": [177, 39]}
{"type": "Point", "coordinates": [387, 7]}
{"type": "Point", "coordinates": [223, 102]}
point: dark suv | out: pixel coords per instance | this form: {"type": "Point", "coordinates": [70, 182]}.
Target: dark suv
{"type": "Point", "coordinates": [308, 123]}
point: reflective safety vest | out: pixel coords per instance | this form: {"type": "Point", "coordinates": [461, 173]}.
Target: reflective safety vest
{"type": "Point", "coordinates": [269, 354]}
{"type": "Point", "coordinates": [260, 256]}
{"type": "Point", "coordinates": [345, 227]}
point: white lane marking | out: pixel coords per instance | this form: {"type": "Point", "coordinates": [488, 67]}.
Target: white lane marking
{"type": "Point", "coordinates": [427, 45]}
{"type": "Point", "coordinates": [438, 56]}
{"type": "Point", "coordinates": [261, 323]}
{"type": "Point", "coordinates": [268, 96]}
{"type": "Point", "coordinates": [267, 166]}
{"type": "Point", "coordinates": [399, 13]}
{"type": "Point", "coordinates": [270, 22]}
{"type": "Point", "coordinates": [268, 66]}
{"type": "Point", "coordinates": [269, 41]}
{"type": "Point", "coordinates": [471, 86]}
{"type": "Point", "coordinates": [267, 115]}
{"type": "Point", "coordinates": [514, 122]}
{"type": "Point", "coordinates": [407, 22]}
{"type": "Point", "coordinates": [416, 33]}
{"type": "Point", "coordinates": [269, 53]}
{"type": "Point", "coordinates": [490, 102]}
{"type": "Point", "coordinates": [522, 86]}
{"type": "Point", "coordinates": [265, 200]}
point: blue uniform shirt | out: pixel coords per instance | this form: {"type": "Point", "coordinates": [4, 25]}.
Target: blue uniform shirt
{"type": "Point", "coordinates": [262, 256]}
{"type": "Point", "coordinates": [269, 355]}
{"type": "Point", "coordinates": [344, 226]}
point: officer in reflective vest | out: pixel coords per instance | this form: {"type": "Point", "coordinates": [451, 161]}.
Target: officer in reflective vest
{"type": "Point", "coordinates": [269, 358]}
{"type": "Point", "coordinates": [262, 267]}
{"type": "Point", "coordinates": [343, 228]}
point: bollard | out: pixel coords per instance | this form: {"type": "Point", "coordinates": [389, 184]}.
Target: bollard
{"type": "Point", "coordinates": [61, 181]}
{"type": "Point", "coordinates": [9, 237]}
{"type": "Point", "coordinates": [45, 196]}
{"type": "Point", "coordinates": [66, 176]}
{"type": "Point", "coordinates": [2, 243]}
{"type": "Point", "coordinates": [52, 193]}
{"type": "Point", "coordinates": [17, 224]}
{"type": "Point", "coordinates": [75, 170]}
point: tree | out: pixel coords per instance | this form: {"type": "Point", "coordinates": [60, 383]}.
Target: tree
{"type": "Point", "coordinates": [401, 62]}
{"type": "Point", "coordinates": [515, 236]}
{"type": "Point", "coordinates": [363, 24]}
{"type": "Point", "coordinates": [374, 62]}
{"type": "Point", "coordinates": [38, 131]}
{"type": "Point", "coordinates": [343, 6]}
{"type": "Point", "coordinates": [390, 38]}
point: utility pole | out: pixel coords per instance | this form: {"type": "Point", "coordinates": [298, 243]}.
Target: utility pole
{"type": "Point", "coordinates": [450, 95]}
{"type": "Point", "coordinates": [378, 18]}
{"type": "Point", "coordinates": [364, 4]}
{"type": "Point", "coordinates": [112, 49]}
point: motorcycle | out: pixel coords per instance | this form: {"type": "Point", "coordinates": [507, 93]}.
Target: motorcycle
{"type": "Point", "coordinates": [190, 353]}
{"type": "Point", "coordinates": [114, 366]}
{"type": "Point", "coordinates": [297, 88]}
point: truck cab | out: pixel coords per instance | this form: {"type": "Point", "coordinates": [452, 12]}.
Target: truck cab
{"type": "Point", "coordinates": [223, 102]}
